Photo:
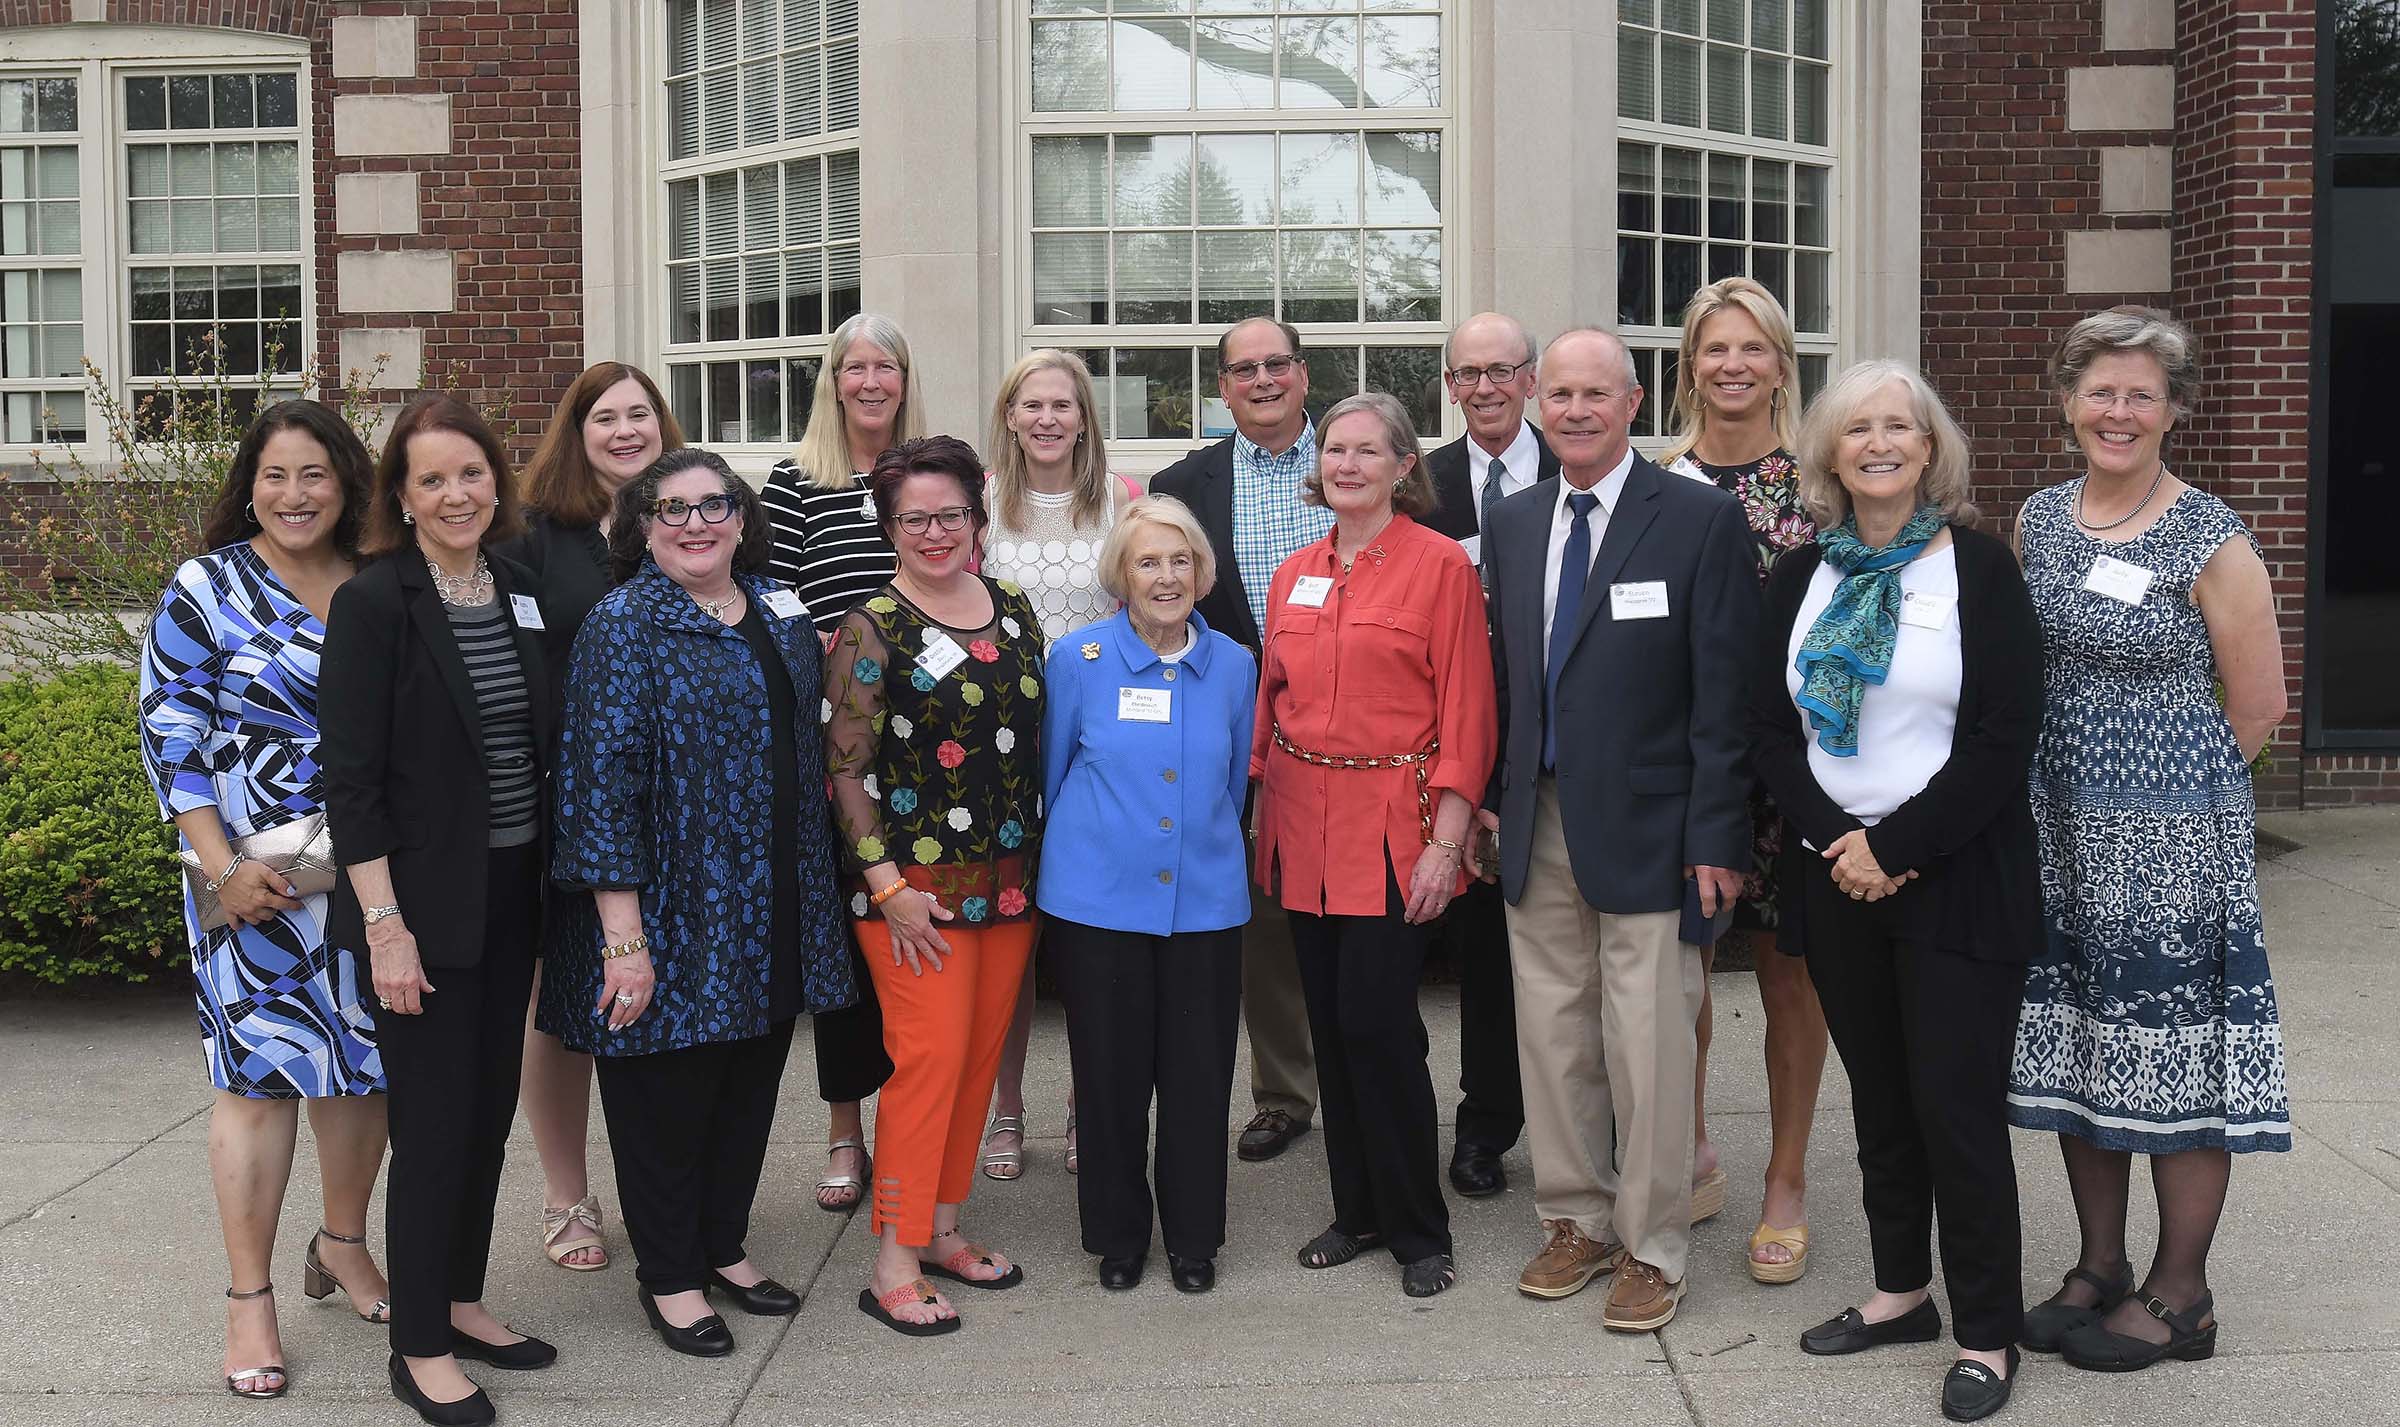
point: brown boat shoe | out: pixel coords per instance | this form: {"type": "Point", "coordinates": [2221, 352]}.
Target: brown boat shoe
{"type": "Point", "coordinates": [1567, 1263]}
{"type": "Point", "coordinates": [1641, 1299]}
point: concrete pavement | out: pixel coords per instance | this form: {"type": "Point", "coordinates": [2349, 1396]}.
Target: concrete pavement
{"type": "Point", "coordinates": [111, 1267]}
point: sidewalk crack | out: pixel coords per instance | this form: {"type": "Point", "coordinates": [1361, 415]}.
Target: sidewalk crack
{"type": "Point", "coordinates": [22, 1216]}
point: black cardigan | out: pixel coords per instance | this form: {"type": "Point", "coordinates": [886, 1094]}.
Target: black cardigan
{"type": "Point", "coordinates": [1969, 833]}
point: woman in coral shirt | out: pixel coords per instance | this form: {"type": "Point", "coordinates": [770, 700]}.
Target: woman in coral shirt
{"type": "Point", "coordinates": [1375, 734]}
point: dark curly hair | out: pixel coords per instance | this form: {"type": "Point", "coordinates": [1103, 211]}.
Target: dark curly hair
{"type": "Point", "coordinates": [928, 456]}
{"type": "Point", "coordinates": [629, 521]}
{"type": "Point", "coordinates": [230, 517]}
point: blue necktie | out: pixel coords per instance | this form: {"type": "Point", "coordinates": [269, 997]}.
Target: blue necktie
{"type": "Point", "coordinates": [1574, 567]}
{"type": "Point", "coordinates": [1492, 491]}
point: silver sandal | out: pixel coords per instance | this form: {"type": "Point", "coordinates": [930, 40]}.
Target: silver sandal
{"type": "Point", "coordinates": [316, 1280]}
{"type": "Point", "coordinates": [855, 1183]}
{"type": "Point", "coordinates": [1004, 1163]}
{"type": "Point", "coordinates": [556, 1222]}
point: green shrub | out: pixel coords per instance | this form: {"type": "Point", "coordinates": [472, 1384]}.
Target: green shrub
{"type": "Point", "coordinates": [89, 881]}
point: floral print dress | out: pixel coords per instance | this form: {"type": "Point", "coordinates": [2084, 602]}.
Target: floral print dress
{"type": "Point", "coordinates": [937, 769]}
{"type": "Point", "coordinates": [1769, 490]}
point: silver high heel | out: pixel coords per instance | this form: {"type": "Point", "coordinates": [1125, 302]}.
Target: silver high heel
{"type": "Point", "coordinates": [283, 1380]}
{"type": "Point", "coordinates": [316, 1280]}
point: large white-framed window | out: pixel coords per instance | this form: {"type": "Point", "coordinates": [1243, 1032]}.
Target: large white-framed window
{"type": "Point", "coordinates": [154, 224]}
{"type": "Point", "coordinates": [1726, 165]}
{"type": "Point", "coordinates": [1184, 165]}
{"type": "Point", "coordinates": [759, 209]}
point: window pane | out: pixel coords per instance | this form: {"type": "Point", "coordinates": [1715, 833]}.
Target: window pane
{"type": "Point", "coordinates": [1319, 63]}
{"type": "Point", "coordinates": [1637, 74]}
{"type": "Point", "coordinates": [1680, 277]}
{"type": "Point", "coordinates": [685, 398]}
{"type": "Point", "coordinates": [1772, 268]}
{"type": "Point", "coordinates": [1403, 63]}
{"type": "Point", "coordinates": [803, 94]}
{"type": "Point", "coordinates": [804, 201]}
{"type": "Point", "coordinates": [683, 303]}
{"type": "Point", "coordinates": [1770, 96]}
{"type": "Point", "coordinates": [1070, 65]}
{"type": "Point", "coordinates": [1154, 277]}
{"type": "Point", "coordinates": [1725, 21]}
{"type": "Point", "coordinates": [1153, 180]}
{"type": "Point", "coordinates": [193, 172]}
{"type": "Point", "coordinates": [1237, 64]}
{"type": "Point", "coordinates": [1768, 30]}
{"type": "Point", "coordinates": [1413, 374]}
{"type": "Point", "coordinates": [146, 170]}
{"type": "Point", "coordinates": [683, 219]}
{"type": "Point", "coordinates": [1404, 178]}
{"type": "Point", "coordinates": [802, 22]}
{"type": "Point", "coordinates": [237, 292]}
{"type": "Point", "coordinates": [1770, 201]}
{"type": "Point", "coordinates": [1154, 66]}
{"type": "Point", "coordinates": [1320, 178]}
{"type": "Point", "coordinates": [803, 294]}
{"type": "Point", "coordinates": [150, 295]}
{"type": "Point", "coordinates": [765, 382]}
{"type": "Point", "coordinates": [1725, 89]}
{"type": "Point", "coordinates": [279, 225]}
{"type": "Point", "coordinates": [1637, 293]}
{"type": "Point", "coordinates": [279, 168]}
{"type": "Point", "coordinates": [1811, 206]}
{"type": "Point", "coordinates": [1808, 27]}
{"type": "Point", "coordinates": [762, 102]}
{"type": "Point", "coordinates": [1679, 205]}
{"type": "Point", "coordinates": [278, 291]}
{"type": "Point", "coordinates": [1679, 82]}
{"type": "Point", "coordinates": [145, 104]}
{"type": "Point", "coordinates": [1154, 387]}
{"type": "Point", "coordinates": [1637, 188]}
{"type": "Point", "coordinates": [193, 226]}
{"type": "Point", "coordinates": [237, 168]}
{"type": "Point", "coordinates": [187, 101]}
{"type": "Point", "coordinates": [1237, 276]}
{"type": "Point", "coordinates": [1404, 276]}
{"type": "Point", "coordinates": [720, 214]}
{"type": "Point", "coordinates": [683, 118]}
{"type": "Point", "coordinates": [1811, 309]}
{"type": "Point", "coordinates": [1638, 12]}
{"type": "Point", "coordinates": [683, 36]}
{"type": "Point", "coordinates": [799, 393]}
{"type": "Point", "coordinates": [724, 402]}
{"type": "Point", "coordinates": [1681, 16]}
{"type": "Point", "coordinates": [62, 296]}
{"type": "Point", "coordinates": [1320, 277]}
{"type": "Point", "coordinates": [1332, 375]}
{"type": "Point", "coordinates": [841, 195]}
{"type": "Point", "coordinates": [234, 109]}
{"type": "Point", "coordinates": [1069, 271]}
{"type": "Point", "coordinates": [1724, 196]}
{"type": "Point", "coordinates": [841, 85]}
{"type": "Point", "coordinates": [278, 101]}
{"type": "Point", "coordinates": [762, 294]}
{"type": "Point", "coordinates": [841, 284]}
{"type": "Point", "coordinates": [1808, 107]}
{"type": "Point", "coordinates": [762, 208]}
{"type": "Point", "coordinates": [237, 225]}
{"type": "Point", "coordinates": [718, 35]}
{"type": "Point", "coordinates": [1070, 178]}
{"type": "Point", "coordinates": [723, 282]}
{"type": "Point", "coordinates": [1724, 261]}
{"type": "Point", "coordinates": [1236, 181]}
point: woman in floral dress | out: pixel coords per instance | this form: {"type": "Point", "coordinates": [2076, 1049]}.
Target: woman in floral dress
{"type": "Point", "coordinates": [934, 714]}
{"type": "Point", "coordinates": [1737, 403]}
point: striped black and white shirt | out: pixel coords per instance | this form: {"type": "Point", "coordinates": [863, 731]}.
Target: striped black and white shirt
{"type": "Point", "coordinates": [489, 648]}
{"type": "Point", "coordinates": [827, 544]}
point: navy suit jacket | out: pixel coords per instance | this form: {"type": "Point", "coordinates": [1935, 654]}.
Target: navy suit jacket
{"type": "Point", "coordinates": [1203, 480]}
{"type": "Point", "coordinates": [1653, 769]}
{"type": "Point", "coordinates": [1454, 494]}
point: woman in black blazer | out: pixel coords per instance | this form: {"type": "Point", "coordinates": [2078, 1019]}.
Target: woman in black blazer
{"type": "Point", "coordinates": [437, 708]}
{"type": "Point", "coordinates": [1896, 695]}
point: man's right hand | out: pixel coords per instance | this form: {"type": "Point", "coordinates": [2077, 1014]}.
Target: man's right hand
{"type": "Point", "coordinates": [1487, 835]}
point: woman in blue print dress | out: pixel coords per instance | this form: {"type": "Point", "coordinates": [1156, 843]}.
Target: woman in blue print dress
{"type": "Point", "coordinates": [695, 860]}
{"type": "Point", "coordinates": [229, 738]}
{"type": "Point", "coordinates": [2149, 1024]}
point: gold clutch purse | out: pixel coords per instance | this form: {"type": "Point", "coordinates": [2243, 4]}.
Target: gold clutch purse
{"type": "Point", "coordinates": [300, 851]}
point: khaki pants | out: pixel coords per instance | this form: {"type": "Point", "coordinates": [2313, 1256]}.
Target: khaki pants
{"type": "Point", "coordinates": [1283, 1063]}
{"type": "Point", "coordinates": [1605, 1010]}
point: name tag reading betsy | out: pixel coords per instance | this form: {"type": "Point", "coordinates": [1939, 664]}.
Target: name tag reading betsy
{"type": "Point", "coordinates": [1309, 591]}
{"type": "Point", "coordinates": [2120, 580]}
{"type": "Point", "coordinates": [783, 604]}
{"type": "Point", "coordinates": [1638, 599]}
{"type": "Point", "coordinates": [1144, 705]}
{"type": "Point", "coordinates": [529, 611]}
{"type": "Point", "coordinates": [1926, 610]}
{"type": "Point", "coordinates": [941, 655]}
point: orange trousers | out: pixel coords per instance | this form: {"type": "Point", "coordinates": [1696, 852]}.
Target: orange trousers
{"type": "Point", "coordinates": [943, 1031]}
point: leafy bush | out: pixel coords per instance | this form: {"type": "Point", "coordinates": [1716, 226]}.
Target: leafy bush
{"type": "Point", "coordinates": [89, 881]}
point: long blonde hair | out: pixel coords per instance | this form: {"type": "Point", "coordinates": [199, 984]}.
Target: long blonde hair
{"type": "Point", "coordinates": [824, 454]}
{"type": "Point", "coordinates": [1010, 478]}
{"type": "Point", "coordinates": [1690, 413]}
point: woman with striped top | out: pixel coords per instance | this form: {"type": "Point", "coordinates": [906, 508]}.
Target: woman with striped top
{"type": "Point", "coordinates": [436, 709]}
{"type": "Point", "coordinates": [829, 547]}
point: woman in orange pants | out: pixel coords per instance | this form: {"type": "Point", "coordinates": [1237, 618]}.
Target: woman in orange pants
{"type": "Point", "coordinates": [934, 715]}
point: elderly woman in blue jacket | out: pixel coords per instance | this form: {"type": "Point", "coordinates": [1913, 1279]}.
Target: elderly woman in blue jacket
{"type": "Point", "coordinates": [692, 808]}
{"type": "Point", "coordinates": [1145, 742]}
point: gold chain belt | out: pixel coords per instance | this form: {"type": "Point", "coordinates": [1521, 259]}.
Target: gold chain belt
{"type": "Point", "coordinates": [1417, 760]}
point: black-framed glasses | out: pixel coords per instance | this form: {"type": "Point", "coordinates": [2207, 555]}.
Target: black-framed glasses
{"type": "Point", "coordinates": [915, 522]}
{"type": "Point", "coordinates": [714, 510]}
{"type": "Point", "coordinates": [1501, 373]}
{"type": "Point", "coordinates": [1278, 366]}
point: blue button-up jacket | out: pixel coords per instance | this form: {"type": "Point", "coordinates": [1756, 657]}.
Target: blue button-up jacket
{"type": "Point", "coordinates": [1145, 819]}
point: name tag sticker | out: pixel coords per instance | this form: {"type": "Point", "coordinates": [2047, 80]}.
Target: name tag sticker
{"type": "Point", "coordinates": [529, 611]}
{"type": "Point", "coordinates": [1144, 705]}
{"type": "Point", "coordinates": [941, 655]}
{"type": "Point", "coordinates": [1638, 599]}
{"type": "Point", "coordinates": [783, 604]}
{"type": "Point", "coordinates": [2119, 579]}
{"type": "Point", "coordinates": [1473, 545]}
{"type": "Point", "coordinates": [1926, 610]}
{"type": "Point", "coordinates": [1309, 591]}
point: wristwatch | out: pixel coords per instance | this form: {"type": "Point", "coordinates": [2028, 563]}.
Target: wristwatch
{"type": "Point", "coordinates": [377, 914]}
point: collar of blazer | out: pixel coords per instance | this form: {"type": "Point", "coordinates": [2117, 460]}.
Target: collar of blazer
{"type": "Point", "coordinates": [1528, 515]}
{"type": "Point", "coordinates": [432, 623]}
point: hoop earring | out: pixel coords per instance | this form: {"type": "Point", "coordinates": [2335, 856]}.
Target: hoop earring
{"type": "Point", "coordinates": [250, 513]}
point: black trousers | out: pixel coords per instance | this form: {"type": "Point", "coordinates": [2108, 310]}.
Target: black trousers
{"type": "Point", "coordinates": [1150, 1014]}
{"type": "Point", "coordinates": [452, 1077]}
{"type": "Point", "coordinates": [1374, 1091]}
{"type": "Point", "coordinates": [851, 1062]}
{"type": "Point", "coordinates": [1926, 1037]}
{"type": "Point", "coordinates": [1491, 1097]}
{"type": "Point", "coordinates": [689, 1129]}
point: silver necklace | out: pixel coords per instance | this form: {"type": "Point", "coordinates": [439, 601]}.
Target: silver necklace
{"type": "Point", "coordinates": [715, 609]}
{"type": "Point", "coordinates": [2138, 506]}
{"type": "Point", "coordinates": [465, 590]}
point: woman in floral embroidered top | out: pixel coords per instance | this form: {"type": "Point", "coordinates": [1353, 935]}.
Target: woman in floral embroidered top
{"type": "Point", "coordinates": [933, 707]}
{"type": "Point", "coordinates": [1737, 404]}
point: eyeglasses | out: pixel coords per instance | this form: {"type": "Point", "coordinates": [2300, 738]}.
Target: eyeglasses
{"type": "Point", "coordinates": [1278, 367]}
{"type": "Point", "coordinates": [916, 522]}
{"type": "Point", "coordinates": [1501, 373]}
{"type": "Point", "coordinates": [714, 510]}
{"type": "Point", "coordinates": [2101, 398]}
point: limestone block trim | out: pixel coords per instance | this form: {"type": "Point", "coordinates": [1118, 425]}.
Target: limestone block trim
{"type": "Point", "coordinates": [375, 47]}
{"type": "Point", "coordinates": [2120, 260]}
{"type": "Point", "coordinates": [375, 203]}
{"type": "Point", "coordinates": [421, 281]}
{"type": "Point", "coordinates": [2125, 97]}
{"type": "Point", "coordinates": [401, 350]}
{"type": "Point", "coordinates": [383, 125]}
{"type": "Point", "coordinates": [2137, 24]}
{"type": "Point", "coordinates": [2137, 178]}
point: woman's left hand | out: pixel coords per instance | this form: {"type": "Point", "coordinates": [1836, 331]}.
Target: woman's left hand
{"type": "Point", "coordinates": [1432, 884]}
{"type": "Point", "coordinates": [631, 977]}
{"type": "Point", "coordinates": [1856, 871]}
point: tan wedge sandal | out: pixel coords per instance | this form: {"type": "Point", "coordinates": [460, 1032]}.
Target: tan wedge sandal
{"type": "Point", "coordinates": [555, 1223]}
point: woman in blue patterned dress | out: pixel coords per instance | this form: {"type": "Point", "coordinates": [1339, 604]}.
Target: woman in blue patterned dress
{"type": "Point", "coordinates": [2149, 1024]}
{"type": "Point", "coordinates": [692, 814]}
{"type": "Point", "coordinates": [229, 737]}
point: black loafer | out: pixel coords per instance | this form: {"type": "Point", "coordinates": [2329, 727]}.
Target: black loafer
{"type": "Point", "coordinates": [708, 1338]}
{"type": "Point", "coordinates": [1269, 1133]}
{"type": "Point", "coordinates": [516, 1357]}
{"type": "Point", "coordinates": [473, 1410]}
{"type": "Point", "coordinates": [1475, 1171]}
{"type": "Point", "coordinates": [1850, 1332]}
{"type": "Point", "coordinates": [1973, 1392]}
{"type": "Point", "coordinates": [764, 1299]}
{"type": "Point", "coordinates": [1123, 1273]}
{"type": "Point", "coordinates": [1192, 1275]}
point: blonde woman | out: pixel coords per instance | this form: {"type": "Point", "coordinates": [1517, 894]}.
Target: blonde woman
{"type": "Point", "coordinates": [1052, 502]}
{"type": "Point", "coordinates": [1736, 406]}
{"type": "Point", "coordinates": [830, 547]}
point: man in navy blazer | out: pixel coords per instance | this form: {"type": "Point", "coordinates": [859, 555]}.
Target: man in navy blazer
{"type": "Point", "coordinates": [1487, 367]}
{"type": "Point", "coordinates": [1623, 600]}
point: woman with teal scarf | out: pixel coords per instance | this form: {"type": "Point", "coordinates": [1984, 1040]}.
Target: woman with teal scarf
{"type": "Point", "coordinates": [1895, 701]}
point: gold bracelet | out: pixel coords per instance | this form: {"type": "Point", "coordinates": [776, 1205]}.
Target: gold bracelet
{"type": "Point", "coordinates": [639, 941]}
{"type": "Point", "coordinates": [1445, 842]}
{"type": "Point", "coordinates": [887, 893]}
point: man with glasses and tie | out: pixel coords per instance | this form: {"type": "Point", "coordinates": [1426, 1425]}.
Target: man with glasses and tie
{"type": "Point", "coordinates": [1245, 490]}
{"type": "Point", "coordinates": [1487, 366]}
{"type": "Point", "coordinates": [1623, 604]}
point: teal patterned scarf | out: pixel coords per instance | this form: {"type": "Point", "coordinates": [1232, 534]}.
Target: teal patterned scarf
{"type": "Point", "coordinates": [1850, 645]}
